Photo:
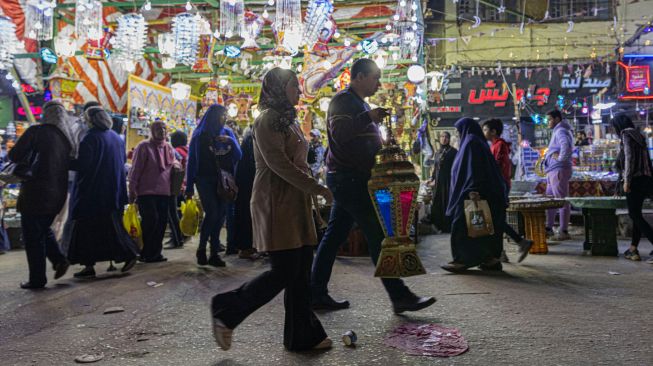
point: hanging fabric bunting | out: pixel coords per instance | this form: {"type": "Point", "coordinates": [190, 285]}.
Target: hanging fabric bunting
{"type": "Point", "coordinates": [129, 40]}
{"type": "Point", "coordinates": [88, 20]}
{"type": "Point", "coordinates": [231, 18]}
{"type": "Point", "coordinates": [287, 26]}
{"type": "Point", "coordinates": [321, 46]}
{"type": "Point", "coordinates": [186, 31]}
{"type": "Point", "coordinates": [317, 70]}
{"type": "Point", "coordinates": [38, 19]}
{"type": "Point", "coordinates": [253, 26]}
{"type": "Point", "coordinates": [317, 20]}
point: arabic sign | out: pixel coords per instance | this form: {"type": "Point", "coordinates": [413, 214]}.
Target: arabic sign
{"type": "Point", "coordinates": [484, 93]}
{"type": "Point", "coordinates": [637, 81]}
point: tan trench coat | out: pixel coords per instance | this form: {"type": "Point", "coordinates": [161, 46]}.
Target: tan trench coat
{"type": "Point", "coordinates": [281, 198]}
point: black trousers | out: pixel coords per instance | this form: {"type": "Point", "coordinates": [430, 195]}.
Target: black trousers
{"type": "Point", "coordinates": [154, 215]}
{"type": "Point", "coordinates": [508, 230]}
{"type": "Point", "coordinates": [40, 243]}
{"type": "Point", "coordinates": [290, 271]}
{"type": "Point", "coordinates": [173, 221]}
{"type": "Point", "coordinates": [640, 188]}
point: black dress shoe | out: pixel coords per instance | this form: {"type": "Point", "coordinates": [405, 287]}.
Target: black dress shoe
{"type": "Point", "coordinates": [60, 269]}
{"type": "Point", "coordinates": [128, 265]}
{"type": "Point", "coordinates": [87, 272]}
{"type": "Point", "coordinates": [491, 265]}
{"type": "Point", "coordinates": [216, 261]}
{"type": "Point", "coordinates": [201, 257]}
{"type": "Point", "coordinates": [412, 302]}
{"type": "Point", "coordinates": [326, 302]}
{"type": "Point", "coordinates": [31, 286]}
{"type": "Point", "coordinates": [154, 260]}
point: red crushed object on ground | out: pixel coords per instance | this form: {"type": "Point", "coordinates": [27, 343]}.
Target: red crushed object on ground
{"type": "Point", "coordinates": [423, 339]}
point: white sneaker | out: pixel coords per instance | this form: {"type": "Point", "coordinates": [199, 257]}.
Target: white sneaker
{"type": "Point", "coordinates": [650, 260]}
{"type": "Point", "coordinates": [561, 236]}
{"type": "Point", "coordinates": [222, 334]}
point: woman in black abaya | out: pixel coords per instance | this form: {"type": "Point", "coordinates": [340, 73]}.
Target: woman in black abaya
{"type": "Point", "coordinates": [475, 170]}
{"type": "Point", "coordinates": [441, 179]}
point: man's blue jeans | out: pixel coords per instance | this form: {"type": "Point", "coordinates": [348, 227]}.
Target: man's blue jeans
{"type": "Point", "coordinates": [351, 204]}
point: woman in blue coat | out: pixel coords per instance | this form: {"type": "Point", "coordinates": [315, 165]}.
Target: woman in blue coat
{"type": "Point", "coordinates": [98, 198]}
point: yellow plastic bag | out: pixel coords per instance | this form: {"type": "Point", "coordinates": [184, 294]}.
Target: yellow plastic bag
{"type": "Point", "coordinates": [132, 224]}
{"type": "Point", "coordinates": [190, 218]}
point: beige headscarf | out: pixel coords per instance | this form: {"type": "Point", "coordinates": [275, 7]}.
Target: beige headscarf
{"type": "Point", "coordinates": [54, 113]}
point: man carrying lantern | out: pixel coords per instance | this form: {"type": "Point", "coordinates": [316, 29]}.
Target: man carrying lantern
{"type": "Point", "coordinates": [354, 139]}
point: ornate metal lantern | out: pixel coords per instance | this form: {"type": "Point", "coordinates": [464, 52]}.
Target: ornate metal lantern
{"type": "Point", "coordinates": [393, 189]}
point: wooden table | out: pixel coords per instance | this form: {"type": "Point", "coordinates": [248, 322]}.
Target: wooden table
{"type": "Point", "coordinates": [600, 221]}
{"type": "Point", "coordinates": [534, 211]}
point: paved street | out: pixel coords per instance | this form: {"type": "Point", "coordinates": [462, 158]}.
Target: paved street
{"type": "Point", "coordinates": [555, 309]}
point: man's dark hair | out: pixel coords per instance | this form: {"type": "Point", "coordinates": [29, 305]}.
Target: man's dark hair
{"type": "Point", "coordinates": [363, 66]}
{"type": "Point", "coordinates": [118, 122]}
{"type": "Point", "coordinates": [494, 124]}
{"type": "Point", "coordinates": [178, 138]}
{"type": "Point", "coordinates": [555, 114]}
{"type": "Point", "coordinates": [90, 104]}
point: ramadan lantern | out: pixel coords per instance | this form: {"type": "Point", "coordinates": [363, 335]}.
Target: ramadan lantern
{"type": "Point", "coordinates": [63, 83]}
{"type": "Point", "coordinates": [393, 188]}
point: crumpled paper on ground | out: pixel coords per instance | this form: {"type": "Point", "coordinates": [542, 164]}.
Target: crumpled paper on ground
{"type": "Point", "coordinates": [423, 339]}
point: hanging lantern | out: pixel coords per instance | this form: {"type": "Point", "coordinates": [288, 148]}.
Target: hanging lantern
{"type": "Point", "coordinates": [253, 26]}
{"type": "Point", "coordinates": [64, 46]}
{"type": "Point", "coordinates": [88, 20]}
{"type": "Point", "coordinates": [369, 46]}
{"type": "Point", "coordinates": [8, 43]}
{"type": "Point", "coordinates": [186, 32]}
{"type": "Point", "coordinates": [287, 26]}
{"type": "Point", "coordinates": [180, 91]}
{"type": "Point", "coordinates": [231, 18]}
{"type": "Point", "coordinates": [409, 26]}
{"type": "Point", "coordinates": [416, 74]}
{"type": "Point", "coordinates": [204, 48]}
{"type": "Point", "coordinates": [393, 188]}
{"type": "Point", "coordinates": [317, 15]}
{"type": "Point", "coordinates": [38, 19]}
{"type": "Point", "coordinates": [63, 83]}
{"type": "Point", "coordinates": [129, 40]}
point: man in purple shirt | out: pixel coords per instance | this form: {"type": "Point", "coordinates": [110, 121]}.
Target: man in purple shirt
{"type": "Point", "coordinates": [557, 165]}
{"type": "Point", "coordinates": [354, 140]}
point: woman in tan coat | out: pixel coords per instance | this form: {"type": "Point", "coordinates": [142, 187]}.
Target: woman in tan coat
{"type": "Point", "coordinates": [282, 222]}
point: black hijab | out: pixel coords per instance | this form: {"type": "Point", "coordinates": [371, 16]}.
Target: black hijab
{"type": "Point", "coordinates": [621, 122]}
{"type": "Point", "coordinates": [474, 169]}
{"type": "Point", "coordinates": [273, 96]}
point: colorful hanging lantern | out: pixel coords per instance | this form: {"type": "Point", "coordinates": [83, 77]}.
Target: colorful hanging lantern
{"type": "Point", "coordinates": [287, 26]}
{"type": "Point", "coordinates": [88, 20]}
{"type": "Point", "coordinates": [8, 43]}
{"type": "Point", "coordinates": [38, 19]}
{"type": "Point", "coordinates": [231, 51]}
{"type": "Point", "coordinates": [129, 40]}
{"type": "Point", "coordinates": [344, 79]}
{"type": "Point", "coordinates": [409, 26]}
{"type": "Point", "coordinates": [63, 83]}
{"type": "Point", "coordinates": [393, 188]}
{"type": "Point", "coordinates": [186, 32]}
{"type": "Point", "coordinates": [232, 18]}
{"type": "Point", "coordinates": [253, 26]}
{"type": "Point", "coordinates": [318, 15]}
{"type": "Point", "coordinates": [204, 48]}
